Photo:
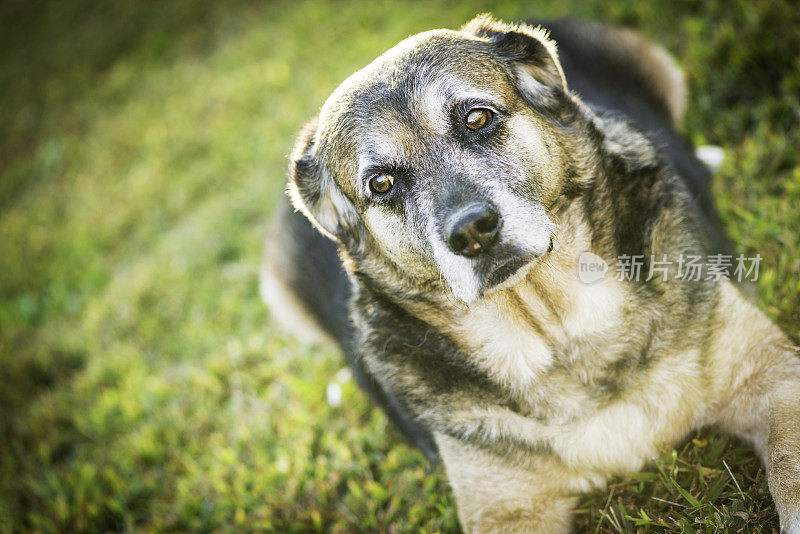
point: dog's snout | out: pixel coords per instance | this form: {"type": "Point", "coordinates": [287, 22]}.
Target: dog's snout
{"type": "Point", "coordinates": [472, 229]}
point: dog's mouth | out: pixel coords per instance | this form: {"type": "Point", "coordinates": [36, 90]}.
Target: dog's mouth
{"type": "Point", "coordinates": [506, 271]}
{"type": "Point", "coordinates": [503, 275]}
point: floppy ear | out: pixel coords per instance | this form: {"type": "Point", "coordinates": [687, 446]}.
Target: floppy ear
{"type": "Point", "coordinates": [313, 192]}
{"type": "Point", "coordinates": [529, 50]}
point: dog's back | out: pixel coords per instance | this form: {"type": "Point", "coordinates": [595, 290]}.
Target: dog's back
{"type": "Point", "coordinates": [302, 279]}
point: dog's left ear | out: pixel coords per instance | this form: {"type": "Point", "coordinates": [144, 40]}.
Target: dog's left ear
{"type": "Point", "coordinates": [528, 49]}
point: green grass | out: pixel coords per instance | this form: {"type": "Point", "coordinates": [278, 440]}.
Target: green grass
{"type": "Point", "coordinates": [143, 385]}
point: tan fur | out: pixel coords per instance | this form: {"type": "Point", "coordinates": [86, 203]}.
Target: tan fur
{"type": "Point", "coordinates": [495, 496]}
{"type": "Point", "coordinates": [756, 383]}
{"type": "Point", "coordinates": [750, 386]}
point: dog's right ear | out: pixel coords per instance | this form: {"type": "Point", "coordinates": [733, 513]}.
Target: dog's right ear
{"type": "Point", "coordinates": [313, 192]}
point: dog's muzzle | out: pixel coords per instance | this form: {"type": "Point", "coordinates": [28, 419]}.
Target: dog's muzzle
{"type": "Point", "coordinates": [472, 229]}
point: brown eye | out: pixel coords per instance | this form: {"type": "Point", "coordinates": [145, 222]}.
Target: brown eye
{"type": "Point", "coordinates": [381, 183]}
{"type": "Point", "coordinates": [478, 118]}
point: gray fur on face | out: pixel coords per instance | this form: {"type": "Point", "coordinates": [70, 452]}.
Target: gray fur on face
{"type": "Point", "coordinates": [405, 117]}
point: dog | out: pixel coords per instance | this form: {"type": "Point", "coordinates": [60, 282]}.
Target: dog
{"type": "Point", "coordinates": [447, 205]}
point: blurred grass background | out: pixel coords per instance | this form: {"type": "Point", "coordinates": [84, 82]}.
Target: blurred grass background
{"type": "Point", "coordinates": [142, 147]}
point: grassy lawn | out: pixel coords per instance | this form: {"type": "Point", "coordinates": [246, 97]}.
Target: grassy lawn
{"type": "Point", "coordinates": [143, 385]}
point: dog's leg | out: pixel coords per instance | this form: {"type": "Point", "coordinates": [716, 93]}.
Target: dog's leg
{"type": "Point", "coordinates": [494, 495]}
{"type": "Point", "coordinates": [756, 379]}
{"type": "Point", "coordinates": [783, 449]}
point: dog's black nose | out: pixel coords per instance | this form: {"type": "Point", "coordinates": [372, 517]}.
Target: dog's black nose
{"type": "Point", "coordinates": [472, 229]}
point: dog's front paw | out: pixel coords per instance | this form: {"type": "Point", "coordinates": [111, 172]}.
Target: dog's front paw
{"type": "Point", "coordinates": [790, 525]}
{"type": "Point", "coordinates": [528, 520]}
{"type": "Point", "coordinates": [787, 501]}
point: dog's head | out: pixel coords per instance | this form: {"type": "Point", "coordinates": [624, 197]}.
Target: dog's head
{"type": "Point", "coordinates": [442, 156]}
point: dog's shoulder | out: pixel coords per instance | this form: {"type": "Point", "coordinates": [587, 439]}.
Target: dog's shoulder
{"type": "Point", "coordinates": [619, 70]}
{"type": "Point", "coordinates": [599, 57]}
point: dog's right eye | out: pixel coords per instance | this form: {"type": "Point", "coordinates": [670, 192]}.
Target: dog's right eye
{"type": "Point", "coordinates": [381, 183]}
{"type": "Point", "coordinates": [478, 118]}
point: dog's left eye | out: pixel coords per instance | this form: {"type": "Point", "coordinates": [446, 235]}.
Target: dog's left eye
{"type": "Point", "coordinates": [478, 118]}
